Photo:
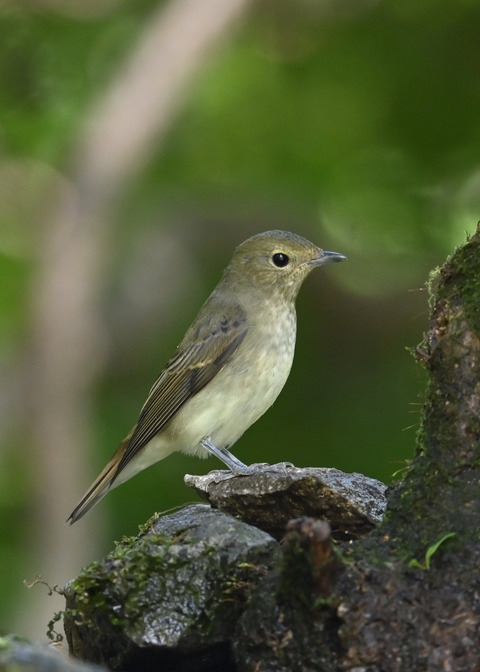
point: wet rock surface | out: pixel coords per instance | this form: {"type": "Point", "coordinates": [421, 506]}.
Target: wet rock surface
{"type": "Point", "coordinates": [352, 503]}
{"type": "Point", "coordinates": [172, 596]}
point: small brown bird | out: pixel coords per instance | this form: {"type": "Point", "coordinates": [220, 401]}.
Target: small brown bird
{"type": "Point", "coordinates": [230, 367]}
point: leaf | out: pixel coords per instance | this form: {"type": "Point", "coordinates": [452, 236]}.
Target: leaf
{"type": "Point", "coordinates": [433, 549]}
{"type": "Point", "coordinates": [430, 552]}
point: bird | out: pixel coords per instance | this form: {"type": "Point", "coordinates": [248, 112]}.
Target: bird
{"type": "Point", "coordinates": [229, 368]}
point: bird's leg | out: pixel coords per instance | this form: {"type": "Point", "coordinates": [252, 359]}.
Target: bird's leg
{"type": "Point", "coordinates": [227, 458]}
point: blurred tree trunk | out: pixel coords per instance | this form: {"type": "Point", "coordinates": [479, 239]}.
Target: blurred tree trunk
{"type": "Point", "coordinates": [120, 134]}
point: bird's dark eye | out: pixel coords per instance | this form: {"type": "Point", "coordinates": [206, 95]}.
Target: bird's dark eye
{"type": "Point", "coordinates": [280, 259]}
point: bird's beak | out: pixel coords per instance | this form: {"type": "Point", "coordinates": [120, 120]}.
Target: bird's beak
{"type": "Point", "coordinates": [327, 258]}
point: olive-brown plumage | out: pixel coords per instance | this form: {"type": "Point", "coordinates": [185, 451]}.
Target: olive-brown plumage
{"type": "Point", "coordinates": [230, 366]}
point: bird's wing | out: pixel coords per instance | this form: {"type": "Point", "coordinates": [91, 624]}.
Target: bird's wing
{"type": "Point", "coordinates": [212, 343]}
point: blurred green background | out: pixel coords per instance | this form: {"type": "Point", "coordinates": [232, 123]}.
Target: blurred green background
{"type": "Point", "coordinates": [352, 122]}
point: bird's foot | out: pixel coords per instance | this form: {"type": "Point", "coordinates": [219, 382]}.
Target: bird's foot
{"type": "Point", "coordinates": [237, 467]}
{"type": "Point", "coordinates": [280, 466]}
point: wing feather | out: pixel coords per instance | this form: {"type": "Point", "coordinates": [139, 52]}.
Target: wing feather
{"type": "Point", "coordinates": [194, 365]}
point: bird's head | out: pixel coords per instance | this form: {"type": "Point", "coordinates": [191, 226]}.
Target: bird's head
{"type": "Point", "coordinates": [276, 262]}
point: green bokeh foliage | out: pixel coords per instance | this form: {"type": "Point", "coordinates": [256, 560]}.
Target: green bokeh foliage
{"type": "Point", "coordinates": [353, 123]}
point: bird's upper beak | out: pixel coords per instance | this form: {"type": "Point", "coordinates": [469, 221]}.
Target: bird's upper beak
{"type": "Point", "coordinates": [326, 258]}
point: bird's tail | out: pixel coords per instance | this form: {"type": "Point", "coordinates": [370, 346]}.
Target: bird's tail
{"type": "Point", "coordinates": [100, 486]}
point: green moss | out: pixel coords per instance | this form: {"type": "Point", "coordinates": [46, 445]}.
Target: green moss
{"type": "Point", "coordinates": [99, 591]}
{"type": "Point", "coordinates": [148, 526]}
{"type": "Point", "coordinates": [156, 569]}
{"type": "Point", "coordinates": [459, 279]}
{"type": "Point", "coordinates": [238, 584]}
{"type": "Point", "coordinates": [432, 283]}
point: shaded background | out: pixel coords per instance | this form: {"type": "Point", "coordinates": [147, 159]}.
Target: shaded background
{"type": "Point", "coordinates": [140, 143]}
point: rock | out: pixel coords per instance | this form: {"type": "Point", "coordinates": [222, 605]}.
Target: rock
{"type": "Point", "coordinates": [202, 590]}
{"type": "Point", "coordinates": [352, 503]}
{"type": "Point", "coordinates": [170, 598]}
{"type": "Point", "coordinates": [18, 655]}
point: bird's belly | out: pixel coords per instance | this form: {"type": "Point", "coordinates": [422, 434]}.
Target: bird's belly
{"type": "Point", "coordinates": [223, 410]}
{"type": "Point", "coordinates": [238, 395]}
{"type": "Point", "coordinates": [233, 400]}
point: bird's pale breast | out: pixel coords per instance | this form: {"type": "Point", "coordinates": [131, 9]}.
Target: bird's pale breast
{"type": "Point", "coordinates": [245, 388]}
{"type": "Point", "coordinates": [234, 399]}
